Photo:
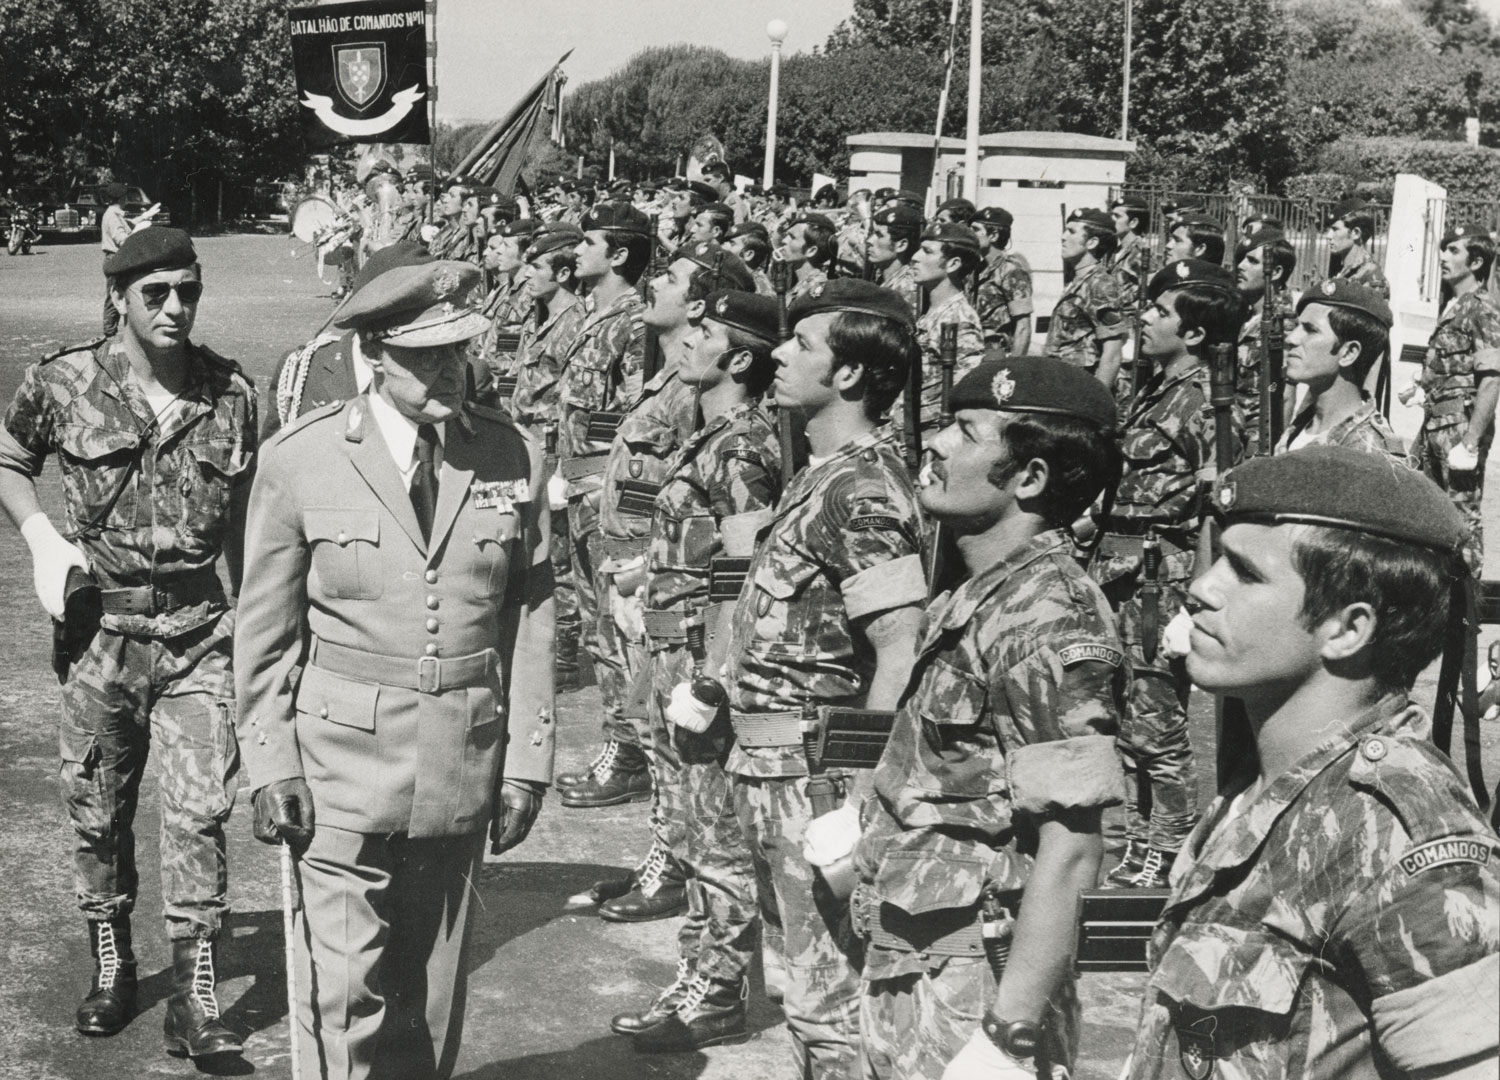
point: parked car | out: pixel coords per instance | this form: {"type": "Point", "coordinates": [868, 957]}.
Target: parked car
{"type": "Point", "coordinates": [89, 203]}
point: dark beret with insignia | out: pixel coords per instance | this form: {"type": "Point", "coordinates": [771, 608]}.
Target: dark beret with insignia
{"type": "Point", "coordinates": [1093, 216]}
{"type": "Point", "coordinates": [1345, 207]}
{"type": "Point", "coordinates": [1344, 488]}
{"type": "Point", "coordinates": [617, 217]}
{"type": "Point", "coordinates": [703, 192]}
{"type": "Point", "coordinates": [1183, 272]}
{"type": "Point", "coordinates": [1129, 203]}
{"type": "Point", "coordinates": [900, 216]}
{"type": "Point", "coordinates": [1256, 224]}
{"type": "Point", "coordinates": [421, 171]}
{"type": "Point", "coordinates": [458, 180]}
{"type": "Point", "coordinates": [751, 313]}
{"type": "Point", "coordinates": [648, 187]}
{"type": "Point", "coordinates": [1462, 232]}
{"type": "Point", "coordinates": [812, 217]}
{"type": "Point", "coordinates": [723, 209]}
{"type": "Point", "coordinates": [851, 294]}
{"type": "Point", "coordinates": [907, 197]}
{"type": "Point", "coordinates": [417, 306]}
{"type": "Point", "coordinates": [994, 216]}
{"type": "Point", "coordinates": [1035, 384]}
{"type": "Point", "coordinates": [1201, 221]}
{"type": "Point", "coordinates": [1260, 237]}
{"type": "Point", "coordinates": [730, 268]}
{"type": "Point", "coordinates": [154, 248]}
{"type": "Point", "coordinates": [749, 228]}
{"type": "Point", "coordinates": [1182, 206]}
{"type": "Point", "coordinates": [555, 238]}
{"type": "Point", "coordinates": [522, 227]}
{"type": "Point", "coordinates": [401, 253]}
{"type": "Point", "coordinates": [960, 236]}
{"type": "Point", "coordinates": [780, 191]}
{"type": "Point", "coordinates": [827, 191]}
{"type": "Point", "coordinates": [962, 207]}
{"type": "Point", "coordinates": [1341, 292]}
{"type": "Point", "coordinates": [621, 187]}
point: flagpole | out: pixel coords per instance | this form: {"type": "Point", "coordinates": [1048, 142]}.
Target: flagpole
{"type": "Point", "coordinates": [976, 59]}
{"type": "Point", "coordinates": [431, 21]}
{"type": "Point", "coordinates": [942, 113]}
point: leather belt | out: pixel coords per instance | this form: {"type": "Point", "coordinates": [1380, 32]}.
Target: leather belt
{"type": "Point", "coordinates": [576, 468]}
{"type": "Point", "coordinates": [426, 674]}
{"type": "Point", "coordinates": [944, 932]}
{"type": "Point", "coordinates": [767, 729]}
{"type": "Point", "coordinates": [1114, 544]}
{"type": "Point", "coordinates": [152, 600]}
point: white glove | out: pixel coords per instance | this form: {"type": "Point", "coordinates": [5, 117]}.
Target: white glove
{"type": "Point", "coordinates": [1412, 395]}
{"type": "Point", "coordinates": [428, 231]}
{"type": "Point", "coordinates": [981, 1059]}
{"type": "Point", "coordinates": [629, 613]}
{"type": "Point", "coordinates": [557, 492]}
{"type": "Point", "coordinates": [1462, 459]}
{"type": "Point", "coordinates": [831, 837]}
{"type": "Point", "coordinates": [51, 558]}
{"type": "Point", "coordinates": [1176, 639]}
{"type": "Point", "coordinates": [687, 712]}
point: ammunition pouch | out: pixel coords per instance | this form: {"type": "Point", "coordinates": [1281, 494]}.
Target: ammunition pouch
{"type": "Point", "coordinates": [852, 738]}
{"type": "Point", "coordinates": [636, 497]}
{"type": "Point", "coordinates": [603, 425]}
{"type": "Point", "coordinates": [580, 468]}
{"type": "Point", "coordinates": [726, 577]}
{"type": "Point", "coordinates": [505, 386]}
{"type": "Point", "coordinates": [1115, 928]}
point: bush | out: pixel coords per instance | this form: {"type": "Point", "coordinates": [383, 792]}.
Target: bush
{"type": "Point", "coordinates": [1471, 172]}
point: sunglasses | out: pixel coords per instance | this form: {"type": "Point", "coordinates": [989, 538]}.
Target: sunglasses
{"type": "Point", "coordinates": [155, 293]}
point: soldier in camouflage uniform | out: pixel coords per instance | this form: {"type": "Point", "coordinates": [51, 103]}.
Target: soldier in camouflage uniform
{"type": "Point", "coordinates": [827, 616]}
{"type": "Point", "coordinates": [1089, 323]}
{"type": "Point", "coordinates": [752, 243]}
{"type": "Point", "coordinates": [1335, 913]}
{"type": "Point", "coordinates": [1263, 260]}
{"type": "Point", "coordinates": [1458, 383]}
{"type": "Point", "coordinates": [507, 306]}
{"type": "Point", "coordinates": [156, 439]}
{"type": "Point", "coordinates": [1342, 331]}
{"type": "Point", "coordinates": [1351, 230]}
{"type": "Point", "coordinates": [1002, 756]}
{"type": "Point", "coordinates": [809, 247]}
{"type": "Point", "coordinates": [1132, 224]}
{"type": "Point", "coordinates": [455, 236]}
{"type": "Point", "coordinates": [1003, 295]}
{"type": "Point", "coordinates": [719, 489]}
{"type": "Point", "coordinates": [946, 260]}
{"type": "Point", "coordinates": [1169, 455]}
{"type": "Point", "coordinates": [894, 236]}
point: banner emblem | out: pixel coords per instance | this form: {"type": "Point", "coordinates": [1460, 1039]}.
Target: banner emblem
{"type": "Point", "coordinates": [361, 72]}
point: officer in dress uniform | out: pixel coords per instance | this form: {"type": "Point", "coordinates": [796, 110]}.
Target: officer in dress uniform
{"type": "Point", "coordinates": [400, 550]}
{"type": "Point", "coordinates": [1335, 912]}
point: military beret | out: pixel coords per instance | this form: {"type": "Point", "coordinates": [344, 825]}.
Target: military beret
{"type": "Point", "coordinates": [617, 217]}
{"type": "Point", "coordinates": [706, 192]}
{"type": "Point", "coordinates": [650, 187]}
{"type": "Point", "coordinates": [730, 270]}
{"type": "Point", "coordinates": [154, 248]}
{"type": "Point", "coordinates": [827, 191]}
{"type": "Point", "coordinates": [779, 190]}
{"type": "Point", "coordinates": [1183, 206]}
{"type": "Point", "coordinates": [717, 208]}
{"type": "Point", "coordinates": [421, 171]}
{"type": "Point", "coordinates": [881, 194]}
{"type": "Point", "coordinates": [994, 217]}
{"type": "Point", "coordinates": [1035, 384]}
{"type": "Point", "coordinates": [746, 311]}
{"type": "Point", "coordinates": [557, 238]}
{"type": "Point", "coordinates": [1202, 221]}
{"type": "Point", "coordinates": [522, 227]}
{"type": "Point", "coordinates": [458, 180]}
{"type": "Point", "coordinates": [1462, 232]}
{"type": "Point", "coordinates": [749, 228]}
{"type": "Point", "coordinates": [568, 185]}
{"type": "Point", "coordinates": [1341, 292]}
{"type": "Point", "coordinates": [1345, 207]}
{"type": "Point", "coordinates": [899, 216]}
{"type": "Point", "coordinates": [417, 306]}
{"type": "Point", "coordinates": [1256, 224]}
{"type": "Point", "coordinates": [910, 198]}
{"type": "Point", "coordinates": [851, 294]}
{"type": "Point", "coordinates": [958, 235]}
{"type": "Point", "coordinates": [401, 253]}
{"type": "Point", "coordinates": [1344, 488]}
{"type": "Point", "coordinates": [963, 206]}
{"type": "Point", "coordinates": [812, 217]}
{"type": "Point", "coordinates": [1093, 216]}
{"type": "Point", "coordinates": [1129, 202]}
{"type": "Point", "coordinates": [1266, 234]}
{"type": "Point", "coordinates": [621, 187]}
{"type": "Point", "coordinates": [1181, 273]}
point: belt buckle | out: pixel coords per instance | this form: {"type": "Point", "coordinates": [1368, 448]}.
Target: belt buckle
{"type": "Point", "coordinates": [429, 675]}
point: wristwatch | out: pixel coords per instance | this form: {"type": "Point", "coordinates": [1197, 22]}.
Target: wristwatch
{"type": "Point", "coordinates": [1018, 1038]}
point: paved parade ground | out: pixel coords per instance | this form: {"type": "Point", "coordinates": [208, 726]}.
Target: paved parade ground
{"type": "Point", "coordinates": [544, 979]}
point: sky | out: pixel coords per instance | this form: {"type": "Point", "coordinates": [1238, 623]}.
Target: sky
{"type": "Point", "coordinates": [490, 52]}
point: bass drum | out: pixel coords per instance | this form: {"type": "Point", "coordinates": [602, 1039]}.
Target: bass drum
{"type": "Point", "coordinates": [318, 220]}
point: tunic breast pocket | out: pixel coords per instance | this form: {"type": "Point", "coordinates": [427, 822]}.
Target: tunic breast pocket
{"type": "Point", "coordinates": [207, 481]}
{"type": "Point", "coordinates": [493, 534]}
{"type": "Point", "coordinates": [786, 619]}
{"type": "Point", "coordinates": [95, 461]}
{"type": "Point", "coordinates": [345, 552]}
{"type": "Point", "coordinates": [953, 761]}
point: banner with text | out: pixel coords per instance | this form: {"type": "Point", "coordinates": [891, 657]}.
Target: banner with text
{"type": "Point", "coordinates": [362, 71]}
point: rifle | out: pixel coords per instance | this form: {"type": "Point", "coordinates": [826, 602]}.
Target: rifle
{"type": "Point", "coordinates": [789, 425]}
{"type": "Point", "coordinates": [1140, 367]}
{"type": "Point", "coordinates": [912, 414]}
{"type": "Point", "coordinates": [940, 557]}
{"type": "Point", "coordinates": [652, 361]}
{"type": "Point", "coordinates": [1272, 344]}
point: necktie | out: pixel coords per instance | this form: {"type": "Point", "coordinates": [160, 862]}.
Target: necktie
{"type": "Point", "coordinates": [424, 482]}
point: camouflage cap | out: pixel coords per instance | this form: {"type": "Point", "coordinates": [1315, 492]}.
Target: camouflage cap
{"type": "Point", "coordinates": [617, 217]}
{"type": "Point", "coordinates": [960, 236]}
{"type": "Point", "coordinates": [1093, 216]}
{"type": "Point", "coordinates": [1341, 292]}
{"type": "Point", "coordinates": [1463, 232]}
{"type": "Point", "coordinates": [900, 216]}
{"type": "Point", "coordinates": [156, 247]}
{"type": "Point", "coordinates": [417, 306]}
{"type": "Point", "coordinates": [851, 294]}
{"type": "Point", "coordinates": [1181, 273]}
{"type": "Point", "coordinates": [557, 238]}
{"type": "Point", "coordinates": [729, 269]}
{"type": "Point", "coordinates": [753, 314]}
{"type": "Point", "coordinates": [1035, 384]}
{"type": "Point", "coordinates": [994, 217]}
{"type": "Point", "coordinates": [1344, 488]}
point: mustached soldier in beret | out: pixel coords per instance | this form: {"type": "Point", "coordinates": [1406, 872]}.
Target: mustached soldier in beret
{"type": "Point", "coordinates": [1335, 912]}
{"type": "Point", "coordinates": [1089, 326]}
{"type": "Point", "coordinates": [1002, 757]}
{"type": "Point", "coordinates": [155, 437]}
{"type": "Point", "coordinates": [400, 549]}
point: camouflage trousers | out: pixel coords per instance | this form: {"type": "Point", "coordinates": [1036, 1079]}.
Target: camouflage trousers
{"type": "Point", "coordinates": [564, 595]}
{"type": "Point", "coordinates": [1429, 454]}
{"type": "Point", "coordinates": [125, 693]}
{"type": "Point", "coordinates": [821, 952]}
{"type": "Point", "coordinates": [912, 1026]}
{"type": "Point", "coordinates": [598, 633]}
{"type": "Point", "coordinates": [1161, 788]}
{"type": "Point", "coordinates": [701, 829]}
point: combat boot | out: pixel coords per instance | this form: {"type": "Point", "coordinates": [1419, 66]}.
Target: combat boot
{"type": "Point", "coordinates": [709, 1014]}
{"type": "Point", "coordinates": [1130, 863]}
{"type": "Point", "coordinates": [660, 891]}
{"type": "Point", "coordinates": [566, 780]}
{"type": "Point", "coordinates": [661, 1007]}
{"type": "Point", "coordinates": [1155, 871]}
{"type": "Point", "coordinates": [621, 776]}
{"type": "Point", "coordinates": [192, 1027]}
{"type": "Point", "coordinates": [111, 999]}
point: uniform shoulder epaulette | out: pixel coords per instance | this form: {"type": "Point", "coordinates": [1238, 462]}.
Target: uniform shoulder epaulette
{"type": "Point", "coordinates": [82, 346]}
{"type": "Point", "coordinates": [1417, 781]}
{"type": "Point", "coordinates": [307, 419]}
{"type": "Point", "coordinates": [219, 360]}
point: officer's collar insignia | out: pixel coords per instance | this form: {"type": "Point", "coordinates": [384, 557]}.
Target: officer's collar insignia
{"type": "Point", "coordinates": [722, 307]}
{"type": "Point", "coordinates": [356, 419]}
{"type": "Point", "coordinates": [1183, 269]}
{"type": "Point", "coordinates": [1226, 495]}
{"type": "Point", "coordinates": [1329, 288]}
{"type": "Point", "coordinates": [1003, 386]}
{"type": "Point", "coordinates": [445, 282]}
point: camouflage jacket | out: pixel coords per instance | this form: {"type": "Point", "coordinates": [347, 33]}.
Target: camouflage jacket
{"type": "Point", "coordinates": [901, 277]}
{"type": "Point", "coordinates": [1466, 340]}
{"type": "Point", "coordinates": [1365, 430]}
{"type": "Point", "coordinates": [1169, 454]}
{"type": "Point", "coordinates": [1128, 264]}
{"type": "Point", "coordinates": [728, 469]}
{"type": "Point", "coordinates": [539, 364]}
{"type": "Point", "coordinates": [1340, 923]}
{"type": "Point", "coordinates": [846, 542]}
{"type": "Point", "coordinates": [958, 310]}
{"type": "Point", "coordinates": [602, 371]}
{"type": "Point", "coordinates": [176, 483]}
{"type": "Point", "coordinates": [454, 240]}
{"type": "Point", "coordinates": [1011, 713]}
{"type": "Point", "coordinates": [656, 425]}
{"type": "Point", "coordinates": [1360, 268]}
{"type": "Point", "coordinates": [804, 285]}
{"type": "Point", "coordinates": [1089, 313]}
{"type": "Point", "coordinates": [1003, 296]}
{"type": "Point", "coordinates": [509, 309]}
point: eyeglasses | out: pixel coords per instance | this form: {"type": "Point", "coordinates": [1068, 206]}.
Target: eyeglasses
{"type": "Point", "coordinates": [155, 293]}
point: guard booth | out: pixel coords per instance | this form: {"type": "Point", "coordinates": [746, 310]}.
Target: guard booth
{"type": "Point", "coordinates": [1039, 176]}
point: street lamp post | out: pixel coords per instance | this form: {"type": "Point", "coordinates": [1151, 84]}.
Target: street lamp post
{"type": "Point", "coordinates": [776, 30]}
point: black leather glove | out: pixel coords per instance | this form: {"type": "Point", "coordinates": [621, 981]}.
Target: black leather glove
{"type": "Point", "coordinates": [517, 804]}
{"type": "Point", "coordinates": [284, 811]}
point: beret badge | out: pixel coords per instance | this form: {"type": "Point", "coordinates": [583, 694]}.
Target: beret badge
{"type": "Point", "coordinates": [1226, 495]}
{"type": "Point", "coordinates": [445, 282]}
{"type": "Point", "coordinates": [1183, 270]}
{"type": "Point", "coordinates": [816, 291]}
{"type": "Point", "coordinates": [1003, 386]}
{"type": "Point", "coordinates": [1329, 288]}
{"type": "Point", "coordinates": [722, 306]}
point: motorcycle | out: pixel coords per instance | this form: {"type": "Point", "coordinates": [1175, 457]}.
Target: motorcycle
{"type": "Point", "coordinates": [22, 235]}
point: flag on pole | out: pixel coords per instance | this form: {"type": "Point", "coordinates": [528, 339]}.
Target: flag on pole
{"type": "Point", "coordinates": [361, 71]}
{"type": "Point", "coordinates": [497, 157]}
